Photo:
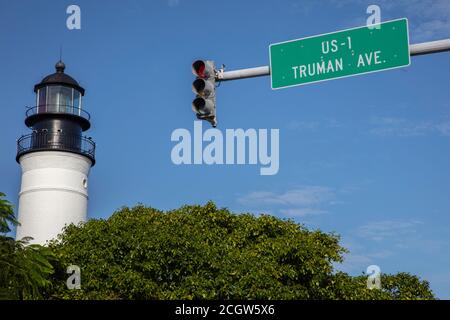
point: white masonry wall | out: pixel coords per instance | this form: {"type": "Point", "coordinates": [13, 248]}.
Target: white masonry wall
{"type": "Point", "coordinates": [53, 193]}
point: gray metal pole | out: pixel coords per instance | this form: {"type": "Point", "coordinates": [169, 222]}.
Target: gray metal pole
{"type": "Point", "coordinates": [429, 47]}
{"type": "Point", "coordinates": [244, 73]}
{"type": "Point", "coordinates": [414, 50]}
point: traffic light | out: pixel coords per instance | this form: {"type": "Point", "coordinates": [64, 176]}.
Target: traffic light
{"type": "Point", "coordinates": [204, 104]}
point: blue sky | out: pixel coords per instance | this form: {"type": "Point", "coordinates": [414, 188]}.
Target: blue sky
{"type": "Point", "coordinates": [367, 157]}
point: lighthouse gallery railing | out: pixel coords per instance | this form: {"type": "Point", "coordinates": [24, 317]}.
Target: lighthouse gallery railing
{"type": "Point", "coordinates": [57, 108]}
{"type": "Point", "coordinates": [39, 141]}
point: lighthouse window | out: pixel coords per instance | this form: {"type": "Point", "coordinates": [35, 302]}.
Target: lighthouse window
{"type": "Point", "coordinates": [76, 100]}
{"type": "Point", "coordinates": [42, 96]}
{"type": "Point", "coordinates": [59, 99]}
{"type": "Point", "coordinates": [53, 95]}
{"type": "Point", "coordinates": [65, 99]}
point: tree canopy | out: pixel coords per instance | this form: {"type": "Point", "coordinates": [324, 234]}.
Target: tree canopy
{"type": "Point", "coordinates": [194, 252]}
{"type": "Point", "coordinates": [203, 252]}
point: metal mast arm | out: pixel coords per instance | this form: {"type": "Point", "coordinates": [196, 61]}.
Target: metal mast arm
{"type": "Point", "coordinates": [414, 50]}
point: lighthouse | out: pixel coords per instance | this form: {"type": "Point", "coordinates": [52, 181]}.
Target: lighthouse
{"type": "Point", "coordinates": [55, 159]}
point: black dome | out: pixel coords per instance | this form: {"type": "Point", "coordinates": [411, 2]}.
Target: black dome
{"type": "Point", "coordinates": [61, 78]}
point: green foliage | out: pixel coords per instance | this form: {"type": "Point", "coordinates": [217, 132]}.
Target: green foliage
{"type": "Point", "coordinates": [24, 269]}
{"type": "Point", "coordinates": [6, 215]}
{"type": "Point", "coordinates": [404, 286]}
{"type": "Point", "coordinates": [400, 286]}
{"type": "Point", "coordinates": [202, 252]}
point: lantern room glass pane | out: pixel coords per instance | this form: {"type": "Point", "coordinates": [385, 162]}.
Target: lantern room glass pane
{"type": "Point", "coordinates": [59, 99]}
{"type": "Point", "coordinates": [65, 100]}
{"type": "Point", "coordinates": [42, 99]}
{"type": "Point", "coordinates": [76, 101]}
{"type": "Point", "coordinates": [52, 100]}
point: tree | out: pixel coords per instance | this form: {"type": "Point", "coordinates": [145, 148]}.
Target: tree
{"type": "Point", "coordinates": [24, 269]}
{"type": "Point", "coordinates": [202, 252]}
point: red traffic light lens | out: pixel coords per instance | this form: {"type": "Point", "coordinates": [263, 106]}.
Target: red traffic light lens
{"type": "Point", "coordinates": [199, 67]}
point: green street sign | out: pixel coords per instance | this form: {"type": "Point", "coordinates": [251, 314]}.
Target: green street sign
{"type": "Point", "coordinates": [340, 54]}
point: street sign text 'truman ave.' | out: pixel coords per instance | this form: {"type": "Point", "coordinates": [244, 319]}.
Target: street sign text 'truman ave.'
{"type": "Point", "coordinates": [340, 54]}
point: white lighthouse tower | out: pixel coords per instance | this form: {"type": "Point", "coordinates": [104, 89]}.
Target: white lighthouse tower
{"type": "Point", "coordinates": [55, 159]}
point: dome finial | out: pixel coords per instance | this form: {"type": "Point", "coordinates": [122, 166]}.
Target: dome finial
{"type": "Point", "coordinates": [60, 66]}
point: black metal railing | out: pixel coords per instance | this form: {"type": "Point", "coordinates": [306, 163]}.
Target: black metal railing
{"type": "Point", "coordinates": [41, 141]}
{"type": "Point", "coordinates": [57, 108]}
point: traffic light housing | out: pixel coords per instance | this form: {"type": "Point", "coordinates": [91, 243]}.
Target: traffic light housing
{"type": "Point", "coordinates": [204, 86]}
